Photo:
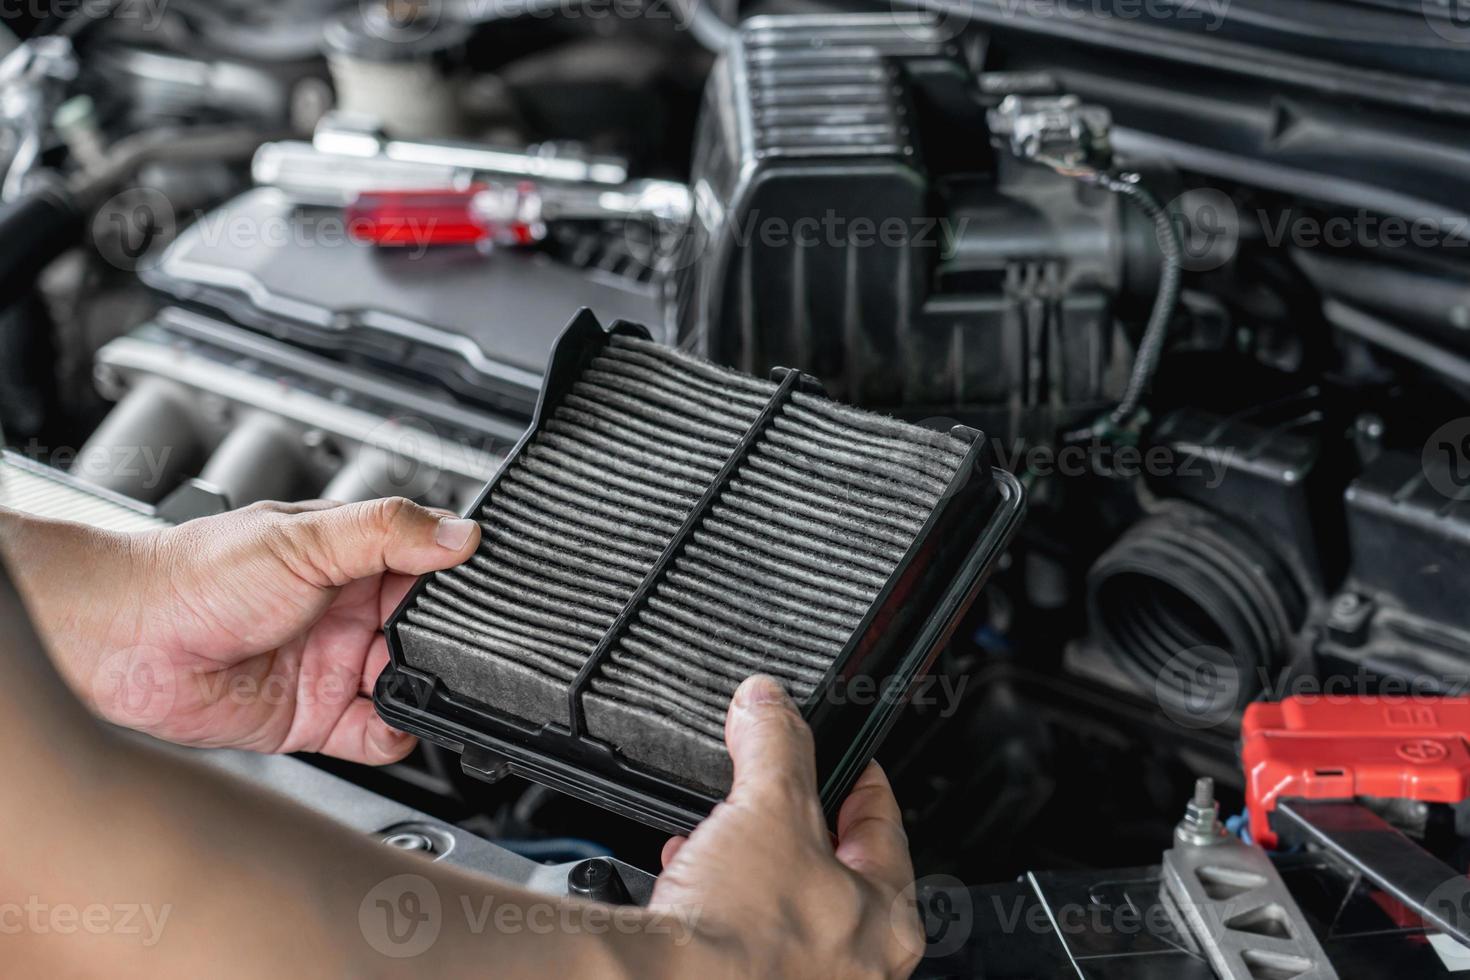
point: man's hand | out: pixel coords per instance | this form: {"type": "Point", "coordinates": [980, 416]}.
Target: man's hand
{"type": "Point", "coordinates": [260, 629]}
{"type": "Point", "coordinates": [761, 882]}
{"type": "Point", "coordinates": [256, 629]}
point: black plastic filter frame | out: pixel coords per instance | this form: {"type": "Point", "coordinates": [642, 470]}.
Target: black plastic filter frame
{"type": "Point", "coordinates": [908, 623]}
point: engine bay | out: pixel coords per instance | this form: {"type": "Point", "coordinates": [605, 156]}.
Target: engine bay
{"type": "Point", "coordinates": [1195, 274]}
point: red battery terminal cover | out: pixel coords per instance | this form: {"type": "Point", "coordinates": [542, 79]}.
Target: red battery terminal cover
{"type": "Point", "coordinates": [1339, 748]}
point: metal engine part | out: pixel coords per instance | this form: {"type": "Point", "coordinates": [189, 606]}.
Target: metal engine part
{"type": "Point", "coordinates": [480, 326]}
{"type": "Point", "coordinates": [255, 419]}
{"type": "Point", "coordinates": [393, 59]}
{"type": "Point", "coordinates": [1229, 898]}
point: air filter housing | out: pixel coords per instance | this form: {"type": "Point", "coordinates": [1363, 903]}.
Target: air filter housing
{"type": "Point", "coordinates": [667, 528]}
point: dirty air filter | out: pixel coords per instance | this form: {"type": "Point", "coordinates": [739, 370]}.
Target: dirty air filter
{"type": "Point", "coordinates": [666, 528]}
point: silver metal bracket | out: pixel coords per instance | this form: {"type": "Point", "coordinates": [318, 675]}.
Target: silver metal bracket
{"type": "Point", "coordinates": [1228, 897]}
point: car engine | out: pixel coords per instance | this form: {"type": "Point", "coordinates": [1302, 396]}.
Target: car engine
{"type": "Point", "coordinates": [1196, 273]}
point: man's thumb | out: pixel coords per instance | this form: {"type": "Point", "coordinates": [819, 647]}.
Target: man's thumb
{"type": "Point", "coordinates": [355, 541]}
{"type": "Point", "coordinates": [771, 746]}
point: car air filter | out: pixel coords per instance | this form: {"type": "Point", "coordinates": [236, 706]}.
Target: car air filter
{"type": "Point", "coordinates": [667, 528]}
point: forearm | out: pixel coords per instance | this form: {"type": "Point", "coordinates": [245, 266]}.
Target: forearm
{"type": "Point", "coordinates": [75, 580]}
{"type": "Point", "coordinates": [214, 876]}
{"type": "Point", "coordinates": [244, 881]}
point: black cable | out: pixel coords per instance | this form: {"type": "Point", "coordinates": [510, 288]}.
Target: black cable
{"type": "Point", "coordinates": [34, 229]}
{"type": "Point", "coordinates": [707, 25]}
{"type": "Point", "coordinates": [1166, 299]}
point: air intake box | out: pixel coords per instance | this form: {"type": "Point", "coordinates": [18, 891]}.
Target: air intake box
{"type": "Point", "coordinates": [667, 528]}
{"type": "Point", "coordinates": [852, 222]}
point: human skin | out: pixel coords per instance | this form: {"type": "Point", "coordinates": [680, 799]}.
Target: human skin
{"type": "Point", "coordinates": [260, 629]}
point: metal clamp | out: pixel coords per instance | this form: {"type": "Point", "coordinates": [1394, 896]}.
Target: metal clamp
{"type": "Point", "coordinates": [1227, 896]}
{"type": "Point", "coordinates": [1057, 131]}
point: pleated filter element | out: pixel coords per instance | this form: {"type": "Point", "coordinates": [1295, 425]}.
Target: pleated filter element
{"type": "Point", "coordinates": [576, 523]}
{"type": "Point", "coordinates": [776, 578]}
{"type": "Point", "coordinates": [33, 488]}
{"type": "Point", "coordinates": [667, 528]}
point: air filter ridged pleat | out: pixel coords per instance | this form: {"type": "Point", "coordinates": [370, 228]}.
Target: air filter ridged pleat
{"type": "Point", "coordinates": [576, 524]}
{"type": "Point", "coordinates": [30, 489]}
{"type": "Point", "coordinates": [670, 529]}
{"type": "Point", "coordinates": [776, 578]}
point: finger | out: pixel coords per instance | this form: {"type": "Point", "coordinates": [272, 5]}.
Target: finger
{"type": "Point", "coordinates": [294, 506]}
{"type": "Point", "coordinates": [870, 834]}
{"type": "Point", "coordinates": [671, 849]}
{"type": "Point", "coordinates": [771, 746]}
{"type": "Point", "coordinates": [340, 544]}
{"type": "Point", "coordinates": [361, 736]}
{"type": "Point", "coordinates": [395, 587]}
{"type": "Point", "coordinates": [377, 660]}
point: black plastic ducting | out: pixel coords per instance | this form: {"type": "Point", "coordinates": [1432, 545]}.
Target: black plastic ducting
{"type": "Point", "coordinates": [1194, 609]}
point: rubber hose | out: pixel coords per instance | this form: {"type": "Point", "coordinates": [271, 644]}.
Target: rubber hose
{"type": "Point", "coordinates": [34, 229]}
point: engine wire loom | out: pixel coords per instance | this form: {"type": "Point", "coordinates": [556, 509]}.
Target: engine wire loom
{"type": "Point", "coordinates": [1071, 138]}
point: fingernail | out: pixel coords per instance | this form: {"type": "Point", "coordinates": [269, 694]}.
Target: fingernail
{"type": "Point", "coordinates": [760, 689]}
{"type": "Point", "coordinates": [454, 534]}
{"type": "Point", "coordinates": [388, 740]}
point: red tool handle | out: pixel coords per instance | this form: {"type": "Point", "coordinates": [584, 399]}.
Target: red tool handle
{"type": "Point", "coordinates": [506, 215]}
